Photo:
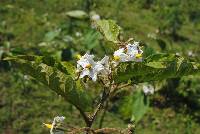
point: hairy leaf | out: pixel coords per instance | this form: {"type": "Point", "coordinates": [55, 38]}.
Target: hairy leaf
{"type": "Point", "coordinates": [54, 75]}
{"type": "Point", "coordinates": [156, 67]}
{"type": "Point", "coordinates": [109, 29]}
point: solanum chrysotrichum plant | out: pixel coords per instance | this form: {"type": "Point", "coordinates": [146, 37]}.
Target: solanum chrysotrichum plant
{"type": "Point", "coordinates": [113, 72]}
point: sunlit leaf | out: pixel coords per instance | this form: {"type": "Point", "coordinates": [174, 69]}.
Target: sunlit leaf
{"type": "Point", "coordinates": [109, 29]}
{"type": "Point", "coordinates": [54, 75]}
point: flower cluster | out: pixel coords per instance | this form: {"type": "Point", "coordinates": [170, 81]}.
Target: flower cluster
{"type": "Point", "coordinates": [131, 52]}
{"type": "Point", "coordinates": [86, 65]}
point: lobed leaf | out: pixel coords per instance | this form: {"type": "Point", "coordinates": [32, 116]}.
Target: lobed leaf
{"type": "Point", "coordinates": [155, 67]}
{"type": "Point", "coordinates": [54, 75]}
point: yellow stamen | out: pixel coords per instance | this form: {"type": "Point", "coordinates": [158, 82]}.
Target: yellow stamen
{"type": "Point", "coordinates": [78, 56]}
{"type": "Point", "coordinates": [138, 55]}
{"type": "Point", "coordinates": [117, 58]}
{"type": "Point", "coordinates": [48, 125]}
{"type": "Point", "coordinates": [88, 66]}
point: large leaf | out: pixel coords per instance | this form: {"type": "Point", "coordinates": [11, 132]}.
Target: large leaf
{"type": "Point", "coordinates": [156, 67]}
{"type": "Point", "coordinates": [134, 106]}
{"type": "Point", "coordinates": [109, 29]}
{"type": "Point", "coordinates": [140, 105]}
{"type": "Point", "coordinates": [56, 76]}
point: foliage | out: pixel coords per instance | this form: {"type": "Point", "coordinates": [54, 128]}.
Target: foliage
{"type": "Point", "coordinates": [56, 76]}
{"type": "Point", "coordinates": [156, 67]}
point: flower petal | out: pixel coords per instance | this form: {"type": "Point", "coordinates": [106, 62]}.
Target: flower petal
{"type": "Point", "coordinates": [85, 72]}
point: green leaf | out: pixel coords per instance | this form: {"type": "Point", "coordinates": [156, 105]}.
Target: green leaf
{"type": "Point", "coordinates": [56, 76]}
{"type": "Point", "coordinates": [52, 35]}
{"type": "Point", "coordinates": [78, 14]}
{"type": "Point", "coordinates": [70, 68]}
{"type": "Point", "coordinates": [161, 57]}
{"type": "Point", "coordinates": [90, 39]}
{"type": "Point", "coordinates": [64, 67]}
{"type": "Point", "coordinates": [109, 29]}
{"type": "Point", "coordinates": [155, 67]}
{"type": "Point", "coordinates": [135, 106]}
{"type": "Point", "coordinates": [140, 105]}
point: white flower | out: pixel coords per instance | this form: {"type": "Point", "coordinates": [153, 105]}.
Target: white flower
{"type": "Point", "coordinates": [178, 54]}
{"type": "Point", "coordinates": [85, 61]}
{"type": "Point", "coordinates": [120, 56]}
{"type": "Point", "coordinates": [86, 66]}
{"type": "Point", "coordinates": [132, 48]}
{"type": "Point", "coordinates": [89, 67]}
{"type": "Point", "coordinates": [105, 63]}
{"type": "Point", "coordinates": [95, 17]}
{"type": "Point", "coordinates": [59, 118]}
{"type": "Point", "coordinates": [56, 120]}
{"type": "Point", "coordinates": [191, 54]}
{"type": "Point", "coordinates": [78, 34]}
{"type": "Point", "coordinates": [148, 89]}
{"type": "Point", "coordinates": [134, 52]}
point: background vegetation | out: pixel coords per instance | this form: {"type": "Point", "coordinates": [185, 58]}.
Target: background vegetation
{"type": "Point", "coordinates": [43, 27]}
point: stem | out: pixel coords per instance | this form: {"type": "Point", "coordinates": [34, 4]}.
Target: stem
{"type": "Point", "coordinates": [124, 85]}
{"type": "Point", "coordinates": [103, 115]}
{"type": "Point", "coordinates": [85, 117]}
{"type": "Point", "coordinates": [99, 131]}
{"type": "Point", "coordinates": [83, 114]}
{"type": "Point", "coordinates": [113, 92]}
{"type": "Point", "coordinates": [99, 107]}
{"type": "Point", "coordinates": [109, 131]}
{"type": "Point", "coordinates": [84, 129]}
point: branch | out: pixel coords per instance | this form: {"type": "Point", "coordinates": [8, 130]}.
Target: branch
{"type": "Point", "coordinates": [85, 117]}
{"type": "Point", "coordinates": [100, 131]}
{"type": "Point", "coordinates": [109, 131]}
{"type": "Point", "coordinates": [104, 97]}
{"type": "Point", "coordinates": [124, 85]}
{"type": "Point", "coordinates": [84, 129]}
{"type": "Point", "coordinates": [114, 91]}
{"type": "Point", "coordinates": [103, 115]}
